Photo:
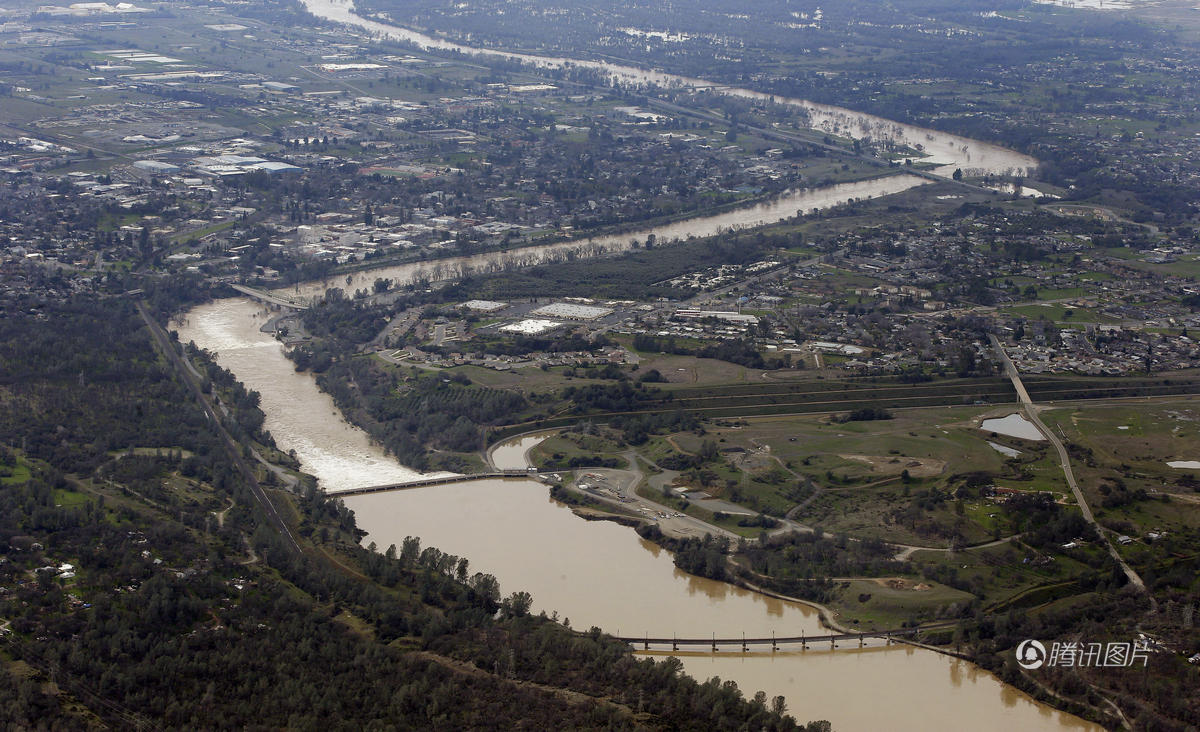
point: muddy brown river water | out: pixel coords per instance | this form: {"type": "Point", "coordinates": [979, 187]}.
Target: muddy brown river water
{"type": "Point", "coordinates": [603, 574]}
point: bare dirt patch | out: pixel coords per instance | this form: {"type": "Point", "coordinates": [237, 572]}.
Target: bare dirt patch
{"type": "Point", "coordinates": [900, 583]}
{"type": "Point", "coordinates": [896, 464]}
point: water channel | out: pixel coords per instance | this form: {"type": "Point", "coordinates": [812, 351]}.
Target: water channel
{"type": "Point", "coordinates": [778, 209]}
{"type": "Point", "coordinates": [946, 150]}
{"type": "Point", "coordinates": [599, 573]}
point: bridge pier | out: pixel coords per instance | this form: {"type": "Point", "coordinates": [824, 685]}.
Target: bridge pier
{"type": "Point", "coordinates": [746, 642]}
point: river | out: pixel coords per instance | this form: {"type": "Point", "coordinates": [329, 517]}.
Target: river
{"type": "Point", "coordinates": [775, 210]}
{"type": "Point", "coordinates": [946, 150]}
{"type": "Point", "coordinates": [300, 416]}
{"type": "Point", "coordinates": [599, 573]}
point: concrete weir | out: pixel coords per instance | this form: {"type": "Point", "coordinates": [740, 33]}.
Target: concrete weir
{"type": "Point", "coordinates": [435, 481]}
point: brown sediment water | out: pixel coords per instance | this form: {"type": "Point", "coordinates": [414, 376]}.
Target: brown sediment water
{"type": "Point", "coordinates": [944, 149]}
{"type": "Point", "coordinates": [777, 209]}
{"type": "Point", "coordinates": [600, 573]}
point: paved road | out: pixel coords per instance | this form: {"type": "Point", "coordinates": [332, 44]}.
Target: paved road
{"type": "Point", "coordinates": [440, 334]}
{"type": "Point", "coordinates": [399, 325]}
{"type": "Point", "coordinates": [1031, 412]}
{"type": "Point", "coordinates": [619, 488]}
{"type": "Point", "coordinates": [267, 297]}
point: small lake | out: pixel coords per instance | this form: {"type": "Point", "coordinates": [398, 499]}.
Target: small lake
{"type": "Point", "coordinates": [1014, 425]}
{"type": "Point", "coordinates": [1004, 449]}
{"type": "Point", "coordinates": [600, 573]}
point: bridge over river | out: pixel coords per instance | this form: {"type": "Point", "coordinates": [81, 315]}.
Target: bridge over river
{"type": "Point", "coordinates": [444, 480]}
{"type": "Point", "coordinates": [804, 641]}
{"type": "Point", "coordinates": [267, 297]}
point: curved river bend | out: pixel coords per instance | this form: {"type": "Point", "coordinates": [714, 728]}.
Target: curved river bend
{"type": "Point", "coordinates": [602, 574]}
{"type": "Point", "coordinates": [780, 208]}
{"type": "Point", "coordinates": [948, 151]}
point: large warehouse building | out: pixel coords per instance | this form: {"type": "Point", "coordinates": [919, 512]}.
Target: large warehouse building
{"type": "Point", "coordinates": [571, 311]}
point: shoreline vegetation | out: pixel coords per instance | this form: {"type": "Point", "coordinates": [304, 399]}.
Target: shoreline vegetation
{"type": "Point", "coordinates": [989, 614]}
{"type": "Point", "coordinates": [266, 623]}
{"type": "Point", "coordinates": [830, 444]}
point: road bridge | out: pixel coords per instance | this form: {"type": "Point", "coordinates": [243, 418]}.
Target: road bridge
{"type": "Point", "coordinates": [267, 297]}
{"type": "Point", "coordinates": [804, 641]}
{"type": "Point", "coordinates": [445, 480]}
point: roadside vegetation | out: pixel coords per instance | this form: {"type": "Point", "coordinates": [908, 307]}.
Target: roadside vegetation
{"type": "Point", "coordinates": [129, 537]}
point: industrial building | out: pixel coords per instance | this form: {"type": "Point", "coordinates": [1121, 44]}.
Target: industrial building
{"type": "Point", "coordinates": [532, 326]}
{"type": "Point", "coordinates": [571, 311]}
{"type": "Point", "coordinates": [275, 168]}
{"type": "Point", "coordinates": [727, 315]}
{"type": "Point", "coordinates": [484, 306]}
{"type": "Point", "coordinates": [156, 167]}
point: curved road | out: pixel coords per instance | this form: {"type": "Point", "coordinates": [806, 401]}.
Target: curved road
{"type": "Point", "coordinates": [1031, 412]}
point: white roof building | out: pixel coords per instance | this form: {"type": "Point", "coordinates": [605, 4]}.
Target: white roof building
{"type": "Point", "coordinates": [531, 326]}
{"type": "Point", "coordinates": [484, 306]}
{"type": "Point", "coordinates": [570, 311]}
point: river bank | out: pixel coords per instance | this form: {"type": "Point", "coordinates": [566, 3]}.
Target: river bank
{"type": "Point", "coordinates": [949, 152]}
{"type": "Point", "coordinates": [597, 573]}
{"type": "Point", "coordinates": [770, 212]}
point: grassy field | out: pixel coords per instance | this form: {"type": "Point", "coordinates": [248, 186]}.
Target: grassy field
{"type": "Point", "coordinates": [870, 475]}
{"type": "Point", "coordinates": [1124, 449]}
{"type": "Point", "coordinates": [13, 475]}
{"type": "Point", "coordinates": [1057, 312]}
{"type": "Point", "coordinates": [70, 499]}
{"type": "Point", "coordinates": [553, 453]}
{"type": "Point", "coordinates": [890, 602]}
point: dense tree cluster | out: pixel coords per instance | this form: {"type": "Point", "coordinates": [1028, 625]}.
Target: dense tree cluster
{"type": "Point", "coordinates": [80, 381]}
{"type": "Point", "coordinates": [414, 416]}
{"type": "Point", "coordinates": [169, 617]}
{"type": "Point", "coordinates": [734, 350]}
{"type": "Point", "coordinates": [808, 556]}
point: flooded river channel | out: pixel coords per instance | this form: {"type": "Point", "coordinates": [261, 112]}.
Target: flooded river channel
{"type": "Point", "coordinates": [603, 574]}
{"type": "Point", "coordinates": [781, 208]}
{"type": "Point", "coordinates": [948, 151]}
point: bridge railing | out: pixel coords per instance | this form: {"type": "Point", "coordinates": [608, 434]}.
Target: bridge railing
{"type": "Point", "coordinates": [426, 482]}
{"type": "Point", "coordinates": [804, 641]}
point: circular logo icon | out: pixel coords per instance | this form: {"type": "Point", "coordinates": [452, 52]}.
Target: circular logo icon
{"type": "Point", "coordinates": [1031, 654]}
